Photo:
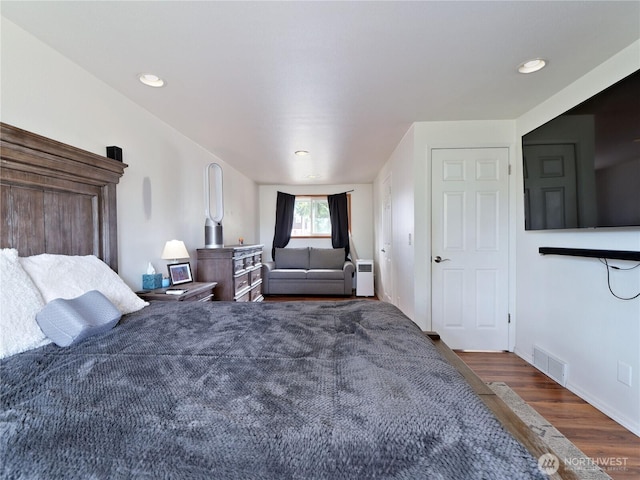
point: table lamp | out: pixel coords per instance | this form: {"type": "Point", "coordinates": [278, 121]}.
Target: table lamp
{"type": "Point", "coordinates": [174, 250]}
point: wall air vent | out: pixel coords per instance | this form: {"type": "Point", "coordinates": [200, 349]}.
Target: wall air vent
{"type": "Point", "coordinates": [365, 267]}
{"type": "Point", "coordinates": [551, 366]}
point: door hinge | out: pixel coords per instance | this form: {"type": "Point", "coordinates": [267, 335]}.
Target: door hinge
{"type": "Point", "coordinates": [508, 318]}
{"type": "Point", "coordinates": [509, 169]}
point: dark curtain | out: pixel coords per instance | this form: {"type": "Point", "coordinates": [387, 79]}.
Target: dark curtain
{"type": "Point", "coordinates": [339, 214]}
{"type": "Point", "coordinates": [285, 204]}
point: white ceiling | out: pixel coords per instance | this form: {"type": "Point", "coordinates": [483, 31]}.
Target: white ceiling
{"type": "Point", "coordinates": [254, 81]}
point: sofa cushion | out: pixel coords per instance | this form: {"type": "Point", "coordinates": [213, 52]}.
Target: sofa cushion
{"type": "Point", "coordinates": [321, 274]}
{"type": "Point", "coordinates": [292, 258]}
{"type": "Point", "coordinates": [288, 274]}
{"type": "Point", "coordinates": [328, 258]}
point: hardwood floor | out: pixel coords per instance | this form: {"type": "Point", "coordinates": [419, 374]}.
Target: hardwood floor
{"type": "Point", "coordinates": [615, 449]}
{"type": "Point", "coordinates": [317, 298]}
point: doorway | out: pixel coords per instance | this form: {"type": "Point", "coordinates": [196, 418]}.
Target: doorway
{"type": "Point", "coordinates": [386, 252]}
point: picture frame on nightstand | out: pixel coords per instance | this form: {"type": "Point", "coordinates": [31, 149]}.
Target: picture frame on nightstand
{"type": "Point", "coordinates": [180, 273]}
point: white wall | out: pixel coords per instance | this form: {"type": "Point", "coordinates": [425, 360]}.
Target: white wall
{"type": "Point", "coordinates": [361, 215]}
{"type": "Point", "coordinates": [410, 167]}
{"type": "Point", "coordinates": [563, 303]}
{"type": "Point", "coordinates": [400, 167]}
{"type": "Point", "coordinates": [160, 196]}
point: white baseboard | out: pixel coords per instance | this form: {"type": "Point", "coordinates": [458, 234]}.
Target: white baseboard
{"type": "Point", "coordinates": [628, 423]}
{"type": "Point", "coordinates": [608, 410]}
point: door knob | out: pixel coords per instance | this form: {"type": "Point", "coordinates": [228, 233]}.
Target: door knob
{"type": "Point", "coordinates": [439, 259]}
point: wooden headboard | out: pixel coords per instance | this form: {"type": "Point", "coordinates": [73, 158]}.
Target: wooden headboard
{"type": "Point", "coordinates": [55, 198]}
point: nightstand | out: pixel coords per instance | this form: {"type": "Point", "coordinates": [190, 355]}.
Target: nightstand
{"type": "Point", "coordinates": [194, 292]}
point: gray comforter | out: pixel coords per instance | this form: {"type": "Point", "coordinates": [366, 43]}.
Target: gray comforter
{"type": "Point", "coordinates": [239, 390]}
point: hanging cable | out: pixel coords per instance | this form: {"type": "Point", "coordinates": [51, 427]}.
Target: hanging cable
{"type": "Point", "coordinates": [609, 267]}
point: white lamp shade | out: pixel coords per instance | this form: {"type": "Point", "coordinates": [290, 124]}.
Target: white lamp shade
{"type": "Point", "coordinates": [174, 249]}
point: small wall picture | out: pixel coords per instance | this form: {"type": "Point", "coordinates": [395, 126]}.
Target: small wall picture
{"type": "Point", "coordinates": [180, 273]}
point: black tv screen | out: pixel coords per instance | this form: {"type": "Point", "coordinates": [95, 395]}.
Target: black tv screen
{"type": "Point", "coordinates": [582, 168]}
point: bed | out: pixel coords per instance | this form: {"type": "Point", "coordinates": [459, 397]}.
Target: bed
{"type": "Point", "coordinates": [283, 390]}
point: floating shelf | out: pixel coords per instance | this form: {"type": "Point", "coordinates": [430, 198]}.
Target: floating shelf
{"type": "Point", "coordinates": [587, 252]}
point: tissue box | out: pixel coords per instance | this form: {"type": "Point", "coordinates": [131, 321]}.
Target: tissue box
{"type": "Point", "coordinates": [150, 282]}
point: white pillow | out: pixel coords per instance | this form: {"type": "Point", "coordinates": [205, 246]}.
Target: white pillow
{"type": "Point", "coordinates": [65, 276]}
{"type": "Point", "coordinates": [20, 301]}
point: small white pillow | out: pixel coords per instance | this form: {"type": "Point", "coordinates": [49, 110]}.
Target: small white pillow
{"type": "Point", "coordinates": [66, 276]}
{"type": "Point", "coordinates": [20, 301]}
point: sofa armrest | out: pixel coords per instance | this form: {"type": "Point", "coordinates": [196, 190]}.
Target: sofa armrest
{"type": "Point", "coordinates": [268, 266]}
{"type": "Point", "coordinates": [349, 269]}
{"type": "Point", "coordinates": [266, 271]}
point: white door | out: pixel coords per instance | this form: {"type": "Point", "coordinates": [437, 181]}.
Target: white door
{"type": "Point", "coordinates": [470, 252]}
{"type": "Point", "coordinates": [386, 253]}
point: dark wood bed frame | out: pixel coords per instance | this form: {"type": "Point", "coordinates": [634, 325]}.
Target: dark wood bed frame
{"type": "Point", "coordinates": [55, 198]}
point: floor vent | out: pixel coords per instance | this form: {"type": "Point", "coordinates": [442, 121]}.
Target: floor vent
{"type": "Point", "coordinates": [550, 365]}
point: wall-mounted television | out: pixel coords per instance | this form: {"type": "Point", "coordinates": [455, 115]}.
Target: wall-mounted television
{"type": "Point", "coordinates": [582, 168]}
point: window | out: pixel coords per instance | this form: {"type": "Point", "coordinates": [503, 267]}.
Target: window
{"type": "Point", "coordinates": [311, 216]}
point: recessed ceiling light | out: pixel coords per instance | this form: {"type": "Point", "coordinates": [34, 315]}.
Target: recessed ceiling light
{"type": "Point", "coordinates": [301, 153]}
{"type": "Point", "coordinates": [151, 80]}
{"type": "Point", "coordinates": [531, 66]}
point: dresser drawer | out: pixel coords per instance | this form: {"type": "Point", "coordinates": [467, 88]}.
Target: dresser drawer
{"type": "Point", "coordinates": [255, 275]}
{"type": "Point", "coordinates": [241, 282]}
{"type": "Point", "coordinates": [256, 294]}
{"type": "Point", "coordinates": [246, 297]}
{"type": "Point", "coordinates": [238, 265]}
{"type": "Point", "coordinates": [202, 297]}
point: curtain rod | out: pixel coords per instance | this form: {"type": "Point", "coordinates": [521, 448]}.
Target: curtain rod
{"type": "Point", "coordinates": [317, 195]}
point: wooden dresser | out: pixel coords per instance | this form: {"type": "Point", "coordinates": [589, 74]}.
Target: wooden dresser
{"type": "Point", "coordinates": [237, 270]}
